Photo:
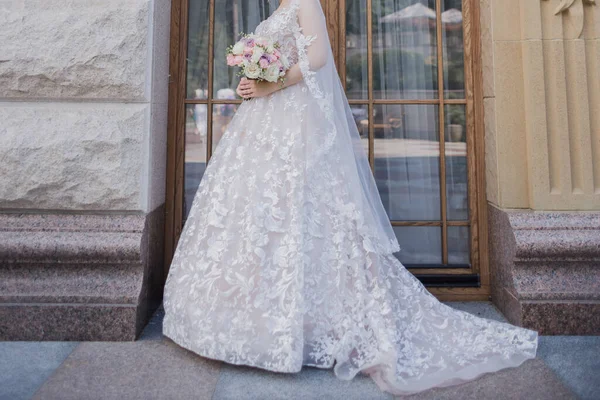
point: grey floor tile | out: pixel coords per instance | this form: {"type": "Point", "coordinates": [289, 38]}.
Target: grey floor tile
{"type": "Point", "coordinates": [132, 370]}
{"type": "Point", "coordinates": [485, 309]}
{"type": "Point", "coordinates": [576, 360]}
{"type": "Point", "coordinates": [531, 380]}
{"type": "Point", "coordinates": [24, 366]}
{"type": "Point", "coordinates": [241, 382]}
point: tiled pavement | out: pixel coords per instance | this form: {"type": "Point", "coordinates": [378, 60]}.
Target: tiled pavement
{"type": "Point", "coordinates": [567, 367]}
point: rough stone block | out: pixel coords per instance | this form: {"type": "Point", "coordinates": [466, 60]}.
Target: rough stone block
{"type": "Point", "coordinates": [83, 49]}
{"type": "Point", "coordinates": [72, 156]}
{"type": "Point", "coordinates": [545, 269]}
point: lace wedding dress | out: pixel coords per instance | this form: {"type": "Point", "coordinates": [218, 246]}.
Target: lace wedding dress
{"type": "Point", "coordinates": [286, 256]}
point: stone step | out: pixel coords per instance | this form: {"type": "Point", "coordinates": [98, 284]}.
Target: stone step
{"type": "Point", "coordinates": [71, 283]}
{"type": "Point", "coordinates": [70, 238]}
{"type": "Point", "coordinates": [561, 280]}
{"type": "Point", "coordinates": [79, 277]}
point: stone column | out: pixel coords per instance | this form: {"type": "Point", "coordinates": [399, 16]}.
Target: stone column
{"type": "Point", "coordinates": [83, 111]}
{"type": "Point", "coordinates": [541, 62]}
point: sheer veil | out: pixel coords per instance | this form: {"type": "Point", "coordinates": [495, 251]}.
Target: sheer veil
{"type": "Point", "coordinates": [340, 136]}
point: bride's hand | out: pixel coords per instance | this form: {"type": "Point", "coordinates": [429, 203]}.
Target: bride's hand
{"type": "Point", "coordinates": [249, 88]}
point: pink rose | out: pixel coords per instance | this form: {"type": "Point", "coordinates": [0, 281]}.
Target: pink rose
{"type": "Point", "coordinates": [230, 60]}
{"type": "Point", "coordinates": [277, 53]}
{"type": "Point", "coordinates": [273, 57]}
{"type": "Point", "coordinates": [247, 50]}
{"type": "Point", "coordinates": [238, 60]}
{"type": "Point", "coordinates": [263, 63]}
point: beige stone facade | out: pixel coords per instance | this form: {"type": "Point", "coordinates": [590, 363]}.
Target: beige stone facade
{"type": "Point", "coordinates": [541, 75]}
{"type": "Point", "coordinates": [542, 104]}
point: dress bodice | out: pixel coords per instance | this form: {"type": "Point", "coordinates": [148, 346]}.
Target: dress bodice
{"type": "Point", "coordinates": [281, 26]}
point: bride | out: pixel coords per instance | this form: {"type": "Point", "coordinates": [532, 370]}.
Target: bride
{"type": "Point", "coordinates": [286, 258]}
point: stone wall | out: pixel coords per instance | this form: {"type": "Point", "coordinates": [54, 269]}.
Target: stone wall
{"type": "Point", "coordinates": [541, 71]}
{"type": "Point", "coordinates": [83, 94]}
{"type": "Point", "coordinates": [83, 105]}
{"type": "Point", "coordinates": [541, 66]}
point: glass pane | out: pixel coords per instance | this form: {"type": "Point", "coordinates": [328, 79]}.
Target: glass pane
{"type": "Point", "coordinates": [231, 18]}
{"type": "Point", "coordinates": [356, 50]}
{"type": "Point", "coordinates": [419, 244]}
{"type": "Point", "coordinates": [453, 48]}
{"type": "Point", "coordinates": [361, 117]}
{"type": "Point", "coordinates": [195, 152]}
{"type": "Point", "coordinates": [222, 115]}
{"type": "Point", "coordinates": [404, 49]}
{"type": "Point", "coordinates": [197, 57]}
{"type": "Point", "coordinates": [407, 160]}
{"type": "Point", "coordinates": [458, 245]}
{"type": "Point", "coordinates": [456, 163]}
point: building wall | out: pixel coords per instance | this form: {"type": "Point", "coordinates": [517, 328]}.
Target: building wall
{"type": "Point", "coordinates": [83, 100]}
{"type": "Point", "coordinates": [83, 111]}
{"type": "Point", "coordinates": [541, 72]}
{"type": "Point", "coordinates": [542, 97]}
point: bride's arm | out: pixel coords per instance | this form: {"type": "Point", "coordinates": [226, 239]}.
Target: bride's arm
{"type": "Point", "coordinates": [312, 21]}
{"type": "Point", "coordinates": [252, 88]}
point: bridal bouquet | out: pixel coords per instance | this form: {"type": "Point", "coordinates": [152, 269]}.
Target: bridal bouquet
{"type": "Point", "coordinates": [258, 57]}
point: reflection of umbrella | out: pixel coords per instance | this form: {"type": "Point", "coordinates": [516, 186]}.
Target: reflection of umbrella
{"type": "Point", "coordinates": [415, 11]}
{"type": "Point", "coordinates": [452, 16]}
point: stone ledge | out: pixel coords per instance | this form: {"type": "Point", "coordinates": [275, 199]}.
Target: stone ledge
{"type": "Point", "coordinates": [59, 322]}
{"type": "Point", "coordinates": [55, 238]}
{"type": "Point", "coordinates": [71, 283]}
{"type": "Point", "coordinates": [86, 247]}
{"type": "Point", "coordinates": [79, 277]}
{"type": "Point", "coordinates": [545, 269]}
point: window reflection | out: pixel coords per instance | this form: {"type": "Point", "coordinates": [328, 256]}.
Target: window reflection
{"type": "Point", "coordinates": [195, 152]}
{"type": "Point", "coordinates": [458, 245]}
{"type": "Point", "coordinates": [222, 115]}
{"type": "Point", "coordinates": [197, 51]}
{"type": "Point", "coordinates": [452, 36]}
{"type": "Point", "coordinates": [356, 50]}
{"type": "Point", "coordinates": [361, 117]}
{"type": "Point", "coordinates": [407, 159]}
{"type": "Point", "coordinates": [419, 244]}
{"type": "Point", "coordinates": [404, 49]}
{"type": "Point", "coordinates": [457, 204]}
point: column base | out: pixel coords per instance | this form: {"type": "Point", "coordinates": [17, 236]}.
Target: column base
{"type": "Point", "coordinates": [79, 277]}
{"type": "Point", "coordinates": [545, 269]}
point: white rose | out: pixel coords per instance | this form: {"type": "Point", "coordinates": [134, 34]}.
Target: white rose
{"type": "Point", "coordinates": [272, 73]}
{"type": "Point", "coordinates": [270, 49]}
{"type": "Point", "coordinates": [252, 70]}
{"type": "Point", "coordinates": [238, 49]}
{"type": "Point", "coordinates": [257, 54]}
{"type": "Point", "coordinates": [284, 61]}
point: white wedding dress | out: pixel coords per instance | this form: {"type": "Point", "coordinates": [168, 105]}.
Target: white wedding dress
{"type": "Point", "coordinates": [286, 256]}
